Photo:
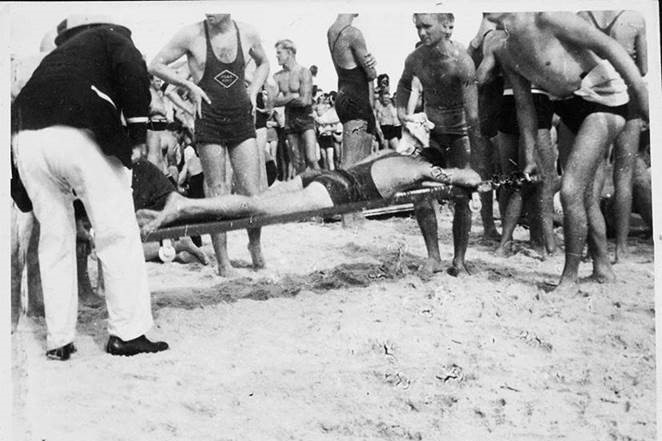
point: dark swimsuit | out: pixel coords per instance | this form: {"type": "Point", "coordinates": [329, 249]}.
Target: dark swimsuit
{"type": "Point", "coordinates": [345, 186]}
{"type": "Point", "coordinates": [353, 99]}
{"type": "Point", "coordinates": [228, 120]}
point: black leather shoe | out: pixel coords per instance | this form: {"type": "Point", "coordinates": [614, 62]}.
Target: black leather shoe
{"type": "Point", "coordinates": [62, 353]}
{"type": "Point", "coordinates": [139, 345]}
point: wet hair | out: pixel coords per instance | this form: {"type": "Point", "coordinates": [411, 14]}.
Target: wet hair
{"type": "Point", "coordinates": [286, 44]}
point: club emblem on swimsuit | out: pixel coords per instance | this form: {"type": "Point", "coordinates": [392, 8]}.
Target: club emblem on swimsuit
{"type": "Point", "coordinates": [226, 78]}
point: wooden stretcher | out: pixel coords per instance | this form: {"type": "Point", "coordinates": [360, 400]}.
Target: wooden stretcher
{"type": "Point", "coordinates": [428, 190]}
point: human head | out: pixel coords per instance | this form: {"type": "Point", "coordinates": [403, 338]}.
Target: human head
{"type": "Point", "coordinates": [383, 81]}
{"type": "Point", "coordinates": [285, 50]}
{"type": "Point", "coordinates": [313, 70]}
{"type": "Point", "coordinates": [76, 23]}
{"type": "Point", "coordinates": [384, 97]}
{"type": "Point", "coordinates": [496, 18]}
{"type": "Point", "coordinates": [432, 28]}
{"type": "Point", "coordinates": [216, 19]}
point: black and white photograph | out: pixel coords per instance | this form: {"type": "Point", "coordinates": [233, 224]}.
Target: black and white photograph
{"type": "Point", "coordinates": [332, 220]}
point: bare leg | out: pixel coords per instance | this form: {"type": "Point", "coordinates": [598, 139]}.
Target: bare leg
{"type": "Point", "coordinates": [512, 198]}
{"type": "Point", "coordinates": [460, 157]}
{"type": "Point", "coordinates": [482, 163]}
{"type": "Point", "coordinates": [426, 217]}
{"type": "Point", "coordinates": [213, 158]}
{"type": "Point", "coordinates": [641, 192]}
{"type": "Point", "coordinates": [626, 146]}
{"type": "Point", "coordinates": [545, 192]}
{"type": "Point", "coordinates": [310, 149]}
{"type": "Point", "coordinates": [596, 133]}
{"type": "Point", "coordinates": [248, 169]}
{"type": "Point", "coordinates": [16, 269]}
{"type": "Point", "coordinates": [297, 155]}
{"type": "Point", "coordinates": [356, 145]}
{"type": "Point", "coordinates": [597, 233]}
{"type": "Point", "coordinates": [186, 244]}
{"type": "Point", "coordinates": [154, 153]}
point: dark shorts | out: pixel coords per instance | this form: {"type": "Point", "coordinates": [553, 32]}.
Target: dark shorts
{"type": "Point", "coordinates": [350, 108]}
{"type": "Point", "coordinates": [345, 186]}
{"type": "Point", "coordinates": [507, 120]}
{"type": "Point", "coordinates": [228, 127]}
{"type": "Point", "coordinates": [150, 186]}
{"type": "Point", "coordinates": [573, 111]}
{"type": "Point", "coordinates": [196, 188]}
{"type": "Point", "coordinates": [298, 119]}
{"type": "Point", "coordinates": [391, 132]}
{"type": "Point", "coordinates": [326, 141]}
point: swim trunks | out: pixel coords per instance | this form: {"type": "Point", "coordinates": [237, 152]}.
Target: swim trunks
{"type": "Point", "coordinates": [346, 186]}
{"type": "Point", "coordinates": [229, 120]}
{"type": "Point", "coordinates": [507, 118]}
{"type": "Point", "coordinates": [448, 120]}
{"type": "Point", "coordinates": [391, 132]}
{"type": "Point", "coordinates": [298, 119]}
{"type": "Point", "coordinates": [574, 110]}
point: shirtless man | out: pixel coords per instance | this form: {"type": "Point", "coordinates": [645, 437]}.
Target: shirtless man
{"type": "Point", "coordinates": [378, 176]}
{"type": "Point", "coordinates": [447, 76]}
{"type": "Point", "coordinates": [355, 67]}
{"type": "Point", "coordinates": [295, 92]}
{"type": "Point", "coordinates": [217, 51]}
{"type": "Point", "coordinates": [629, 29]}
{"type": "Point", "coordinates": [538, 201]}
{"type": "Point", "coordinates": [560, 52]}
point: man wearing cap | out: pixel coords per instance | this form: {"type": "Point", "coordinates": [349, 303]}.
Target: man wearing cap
{"type": "Point", "coordinates": [217, 50]}
{"type": "Point", "coordinates": [68, 141]}
{"type": "Point", "coordinates": [295, 92]}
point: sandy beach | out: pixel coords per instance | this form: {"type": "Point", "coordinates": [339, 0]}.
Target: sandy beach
{"type": "Point", "coordinates": [342, 337]}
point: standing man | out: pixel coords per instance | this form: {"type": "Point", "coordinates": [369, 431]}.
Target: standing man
{"type": "Point", "coordinates": [355, 67]}
{"type": "Point", "coordinates": [447, 76]}
{"type": "Point", "coordinates": [591, 76]}
{"type": "Point", "coordinates": [629, 29]}
{"type": "Point", "coordinates": [217, 51]}
{"type": "Point", "coordinates": [68, 138]}
{"type": "Point", "coordinates": [295, 92]}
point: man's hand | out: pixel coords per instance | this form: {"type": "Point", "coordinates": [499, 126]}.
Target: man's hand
{"type": "Point", "coordinates": [196, 95]}
{"type": "Point", "coordinates": [370, 60]}
{"type": "Point", "coordinates": [530, 170]}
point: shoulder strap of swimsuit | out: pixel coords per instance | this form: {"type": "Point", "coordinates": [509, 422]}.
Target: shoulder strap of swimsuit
{"type": "Point", "coordinates": [607, 30]}
{"type": "Point", "coordinates": [333, 46]}
{"type": "Point", "coordinates": [208, 40]}
{"type": "Point", "coordinates": [595, 22]}
{"type": "Point", "coordinates": [240, 51]}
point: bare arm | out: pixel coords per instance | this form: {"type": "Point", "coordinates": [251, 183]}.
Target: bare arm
{"type": "Point", "coordinates": [361, 54]}
{"type": "Point", "coordinates": [305, 97]}
{"type": "Point", "coordinates": [404, 89]}
{"type": "Point", "coordinates": [470, 99]}
{"type": "Point", "coordinates": [175, 49]}
{"type": "Point", "coordinates": [262, 70]}
{"type": "Point", "coordinates": [526, 117]}
{"type": "Point", "coordinates": [642, 49]}
{"type": "Point", "coordinates": [571, 28]}
{"type": "Point", "coordinates": [282, 97]}
{"type": "Point", "coordinates": [487, 69]}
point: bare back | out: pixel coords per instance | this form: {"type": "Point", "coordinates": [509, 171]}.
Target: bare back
{"type": "Point", "coordinates": [341, 40]}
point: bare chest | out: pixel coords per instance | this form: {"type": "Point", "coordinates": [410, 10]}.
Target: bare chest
{"type": "Point", "coordinates": [289, 81]}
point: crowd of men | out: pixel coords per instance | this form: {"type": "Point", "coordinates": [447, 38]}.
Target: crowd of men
{"type": "Point", "coordinates": [541, 94]}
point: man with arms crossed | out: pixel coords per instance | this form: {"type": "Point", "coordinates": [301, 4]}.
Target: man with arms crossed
{"type": "Point", "coordinates": [447, 75]}
{"type": "Point", "coordinates": [579, 65]}
{"type": "Point", "coordinates": [356, 71]}
{"type": "Point", "coordinates": [295, 92]}
{"type": "Point", "coordinates": [217, 50]}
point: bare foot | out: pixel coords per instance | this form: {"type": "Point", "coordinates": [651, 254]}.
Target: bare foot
{"type": "Point", "coordinates": [567, 288]}
{"type": "Point", "coordinates": [145, 216]}
{"type": "Point", "coordinates": [504, 249]}
{"type": "Point", "coordinates": [602, 273]}
{"type": "Point", "coordinates": [431, 266]}
{"type": "Point", "coordinates": [257, 257]}
{"type": "Point", "coordinates": [621, 254]}
{"type": "Point", "coordinates": [458, 269]}
{"type": "Point", "coordinates": [226, 270]}
{"type": "Point", "coordinates": [186, 244]}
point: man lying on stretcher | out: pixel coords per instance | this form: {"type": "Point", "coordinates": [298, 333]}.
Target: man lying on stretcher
{"type": "Point", "coordinates": [378, 176]}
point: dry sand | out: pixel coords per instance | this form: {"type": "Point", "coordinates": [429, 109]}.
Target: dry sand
{"type": "Point", "coordinates": [343, 338]}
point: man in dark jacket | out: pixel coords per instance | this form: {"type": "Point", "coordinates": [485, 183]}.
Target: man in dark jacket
{"type": "Point", "coordinates": [68, 140]}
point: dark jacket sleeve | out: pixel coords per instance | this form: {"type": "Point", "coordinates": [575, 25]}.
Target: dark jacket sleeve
{"type": "Point", "coordinates": [132, 79]}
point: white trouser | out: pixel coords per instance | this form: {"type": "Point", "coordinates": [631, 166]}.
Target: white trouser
{"type": "Point", "coordinates": [52, 162]}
